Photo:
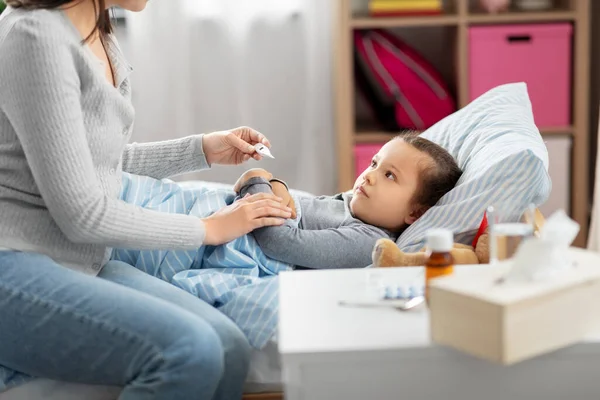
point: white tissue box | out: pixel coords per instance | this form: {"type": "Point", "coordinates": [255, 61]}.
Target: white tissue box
{"type": "Point", "coordinates": [507, 323]}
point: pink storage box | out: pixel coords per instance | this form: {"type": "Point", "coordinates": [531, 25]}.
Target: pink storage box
{"type": "Point", "coordinates": [539, 55]}
{"type": "Point", "coordinates": [363, 154]}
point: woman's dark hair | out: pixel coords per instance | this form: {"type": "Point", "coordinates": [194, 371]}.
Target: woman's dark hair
{"type": "Point", "coordinates": [103, 23]}
{"type": "Point", "coordinates": [438, 177]}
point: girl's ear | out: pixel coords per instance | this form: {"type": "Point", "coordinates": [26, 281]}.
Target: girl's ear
{"type": "Point", "coordinates": [415, 215]}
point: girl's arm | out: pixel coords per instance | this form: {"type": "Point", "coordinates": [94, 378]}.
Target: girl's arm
{"type": "Point", "coordinates": [344, 247]}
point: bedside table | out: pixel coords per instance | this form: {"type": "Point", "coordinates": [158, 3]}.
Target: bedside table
{"type": "Point", "coordinates": [335, 352]}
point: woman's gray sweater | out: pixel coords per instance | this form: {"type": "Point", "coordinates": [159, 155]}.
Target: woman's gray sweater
{"type": "Point", "coordinates": [64, 132]}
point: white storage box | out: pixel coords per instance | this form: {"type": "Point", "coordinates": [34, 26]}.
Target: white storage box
{"type": "Point", "coordinates": [511, 322]}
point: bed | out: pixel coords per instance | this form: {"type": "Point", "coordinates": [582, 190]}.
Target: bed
{"type": "Point", "coordinates": [263, 383]}
{"type": "Point", "coordinates": [504, 161]}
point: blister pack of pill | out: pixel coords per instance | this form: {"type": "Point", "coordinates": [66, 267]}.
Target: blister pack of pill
{"type": "Point", "coordinates": [400, 292]}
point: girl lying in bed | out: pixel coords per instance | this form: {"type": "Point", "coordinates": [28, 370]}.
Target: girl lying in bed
{"type": "Point", "coordinates": [406, 177]}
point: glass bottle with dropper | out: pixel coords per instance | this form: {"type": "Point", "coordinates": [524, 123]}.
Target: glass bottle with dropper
{"type": "Point", "coordinates": [439, 261]}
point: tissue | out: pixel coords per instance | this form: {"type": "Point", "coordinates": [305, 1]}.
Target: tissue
{"type": "Point", "coordinates": [560, 229]}
{"type": "Point", "coordinates": [542, 257]}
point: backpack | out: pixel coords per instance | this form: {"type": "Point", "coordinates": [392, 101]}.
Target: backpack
{"type": "Point", "coordinates": [403, 89]}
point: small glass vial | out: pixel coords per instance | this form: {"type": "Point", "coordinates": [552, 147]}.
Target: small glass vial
{"type": "Point", "coordinates": [439, 260]}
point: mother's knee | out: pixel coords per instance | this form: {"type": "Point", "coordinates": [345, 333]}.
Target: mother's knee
{"type": "Point", "coordinates": [234, 342]}
{"type": "Point", "coordinates": [191, 349]}
{"type": "Point", "coordinates": [202, 348]}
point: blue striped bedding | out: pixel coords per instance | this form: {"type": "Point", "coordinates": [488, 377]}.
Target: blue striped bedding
{"type": "Point", "coordinates": [237, 278]}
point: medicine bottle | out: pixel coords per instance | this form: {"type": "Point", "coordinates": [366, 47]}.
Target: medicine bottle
{"type": "Point", "coordinates": [439, 261]}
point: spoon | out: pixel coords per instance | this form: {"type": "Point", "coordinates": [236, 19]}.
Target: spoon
{"type": "Point", "coordinates": [400, 305]}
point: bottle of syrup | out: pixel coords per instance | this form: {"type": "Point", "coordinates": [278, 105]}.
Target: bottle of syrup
{"type": "Point", "coordinates": [439, 260]}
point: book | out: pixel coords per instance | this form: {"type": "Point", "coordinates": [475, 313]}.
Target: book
{"type": "Point", "coordinates": [404, 5]}
{"type": "Point", "coordinates": [404, 13]}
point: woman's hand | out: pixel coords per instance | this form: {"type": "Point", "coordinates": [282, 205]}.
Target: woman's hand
{"type": "Point", "coordinates": [243, 216]}
{"type": "Point", "coordinates": [234, 146]}
{"type": "Point", "coordinates": [280, 190]}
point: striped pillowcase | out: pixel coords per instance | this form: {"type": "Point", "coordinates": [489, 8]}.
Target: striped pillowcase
{"type": "Point", "coordinates": [503, 159]}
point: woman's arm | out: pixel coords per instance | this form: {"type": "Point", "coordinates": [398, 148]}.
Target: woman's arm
{"type": "Point", "coordinates": [344, 247]}
{"type": "Point", "coordinates": [41, 97]}
{"type": "Point", "coordinates": [165, 159]}
{"type": "Point", "coordinates": [192, 153]}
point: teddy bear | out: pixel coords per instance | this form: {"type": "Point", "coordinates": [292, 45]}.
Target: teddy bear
{"type": "Point", "coordinates": [387, 254]}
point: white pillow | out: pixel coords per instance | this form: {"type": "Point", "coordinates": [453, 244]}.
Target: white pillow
{"type": "Point", "coordinates": [504, 162]}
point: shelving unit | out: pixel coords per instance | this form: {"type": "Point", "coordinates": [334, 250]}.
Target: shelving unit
{"type": "Point", "coordinates": [373, 136]}
{"type": "Point", "coordinates": [461, 15]}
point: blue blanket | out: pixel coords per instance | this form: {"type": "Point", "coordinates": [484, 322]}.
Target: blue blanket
{"type": "Point", "coordinates": [237, 278]}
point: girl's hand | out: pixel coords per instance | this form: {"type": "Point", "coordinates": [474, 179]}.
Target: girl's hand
{"type": "Point", "coordinates": [232, 147]}
{"type": "Point", "coordinates": [251, 173]}
{"type": "Point", "coordinates": [243, 216]}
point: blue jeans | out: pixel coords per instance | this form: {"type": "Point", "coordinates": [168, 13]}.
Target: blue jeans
{"type": "Point", "coordinates": [124, 328]}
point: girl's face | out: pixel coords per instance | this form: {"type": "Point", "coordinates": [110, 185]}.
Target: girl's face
{"type": "Point", "coordinates": [130, 5]}
{"type": "Point", "coordinates": [383, 193]}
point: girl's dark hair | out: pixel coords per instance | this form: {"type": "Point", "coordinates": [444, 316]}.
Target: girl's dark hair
{"type": "Point", "coordinates": [103, 23]}
{"type": "Point", "coordinates": [437, 178]}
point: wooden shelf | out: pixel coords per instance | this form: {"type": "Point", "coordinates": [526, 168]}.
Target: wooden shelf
{"type": "Point", "coordinates": [375, 136]}
{"type": "Point", "coordinates": [517, 17]}
{"type": "Point", "coordinates": [559, 131]}
{"type": "Point", "coordinates": [366, 22]}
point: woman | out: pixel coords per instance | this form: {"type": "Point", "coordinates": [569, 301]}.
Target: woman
{"type": "Point", "coordinates": [65, 121]}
